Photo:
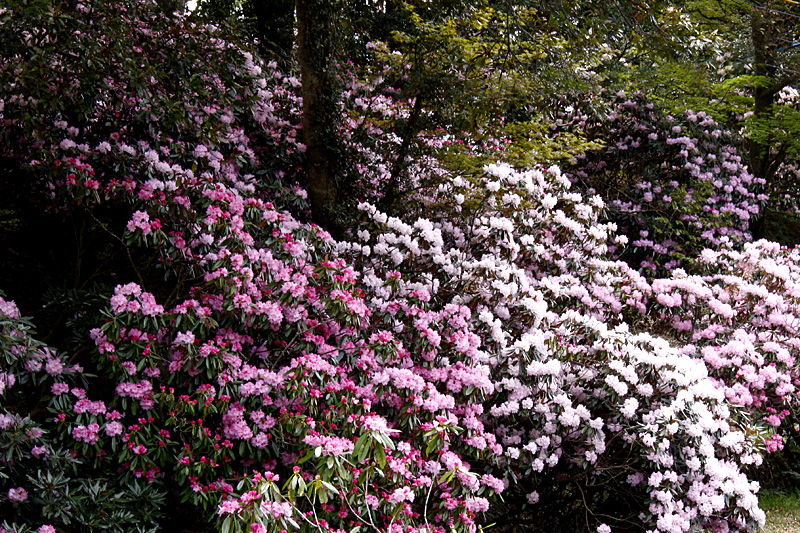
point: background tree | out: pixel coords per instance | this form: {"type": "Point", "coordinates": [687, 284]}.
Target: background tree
{"type": "Point", "coordinates": [318, 44]}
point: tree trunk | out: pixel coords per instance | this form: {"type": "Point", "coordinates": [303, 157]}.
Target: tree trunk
{"type": "Point", "coordinates": [762, 97]}
{"type": "Point", "coordinates": [758, 152]}
{"type": "Point", "coordinates": [317, 41]}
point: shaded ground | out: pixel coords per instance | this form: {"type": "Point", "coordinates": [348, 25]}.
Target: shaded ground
{"type": "Point", "coordinates": [783, 511]}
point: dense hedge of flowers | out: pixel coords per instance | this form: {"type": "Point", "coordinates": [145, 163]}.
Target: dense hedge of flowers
{"type": "Point", "coordinates": [372, 392]}
{"type": "Point", "coordinates": [480, 361]}
{"type": "Point", "coordinates": [740, 315]}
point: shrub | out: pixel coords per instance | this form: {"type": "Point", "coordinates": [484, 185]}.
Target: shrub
{"type": "Point", "coordinates": [674, 185]}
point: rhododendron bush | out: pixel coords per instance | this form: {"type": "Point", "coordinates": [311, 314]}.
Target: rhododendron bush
{"type": "Point", "coordinates": [474, 359]}
{"type": "Point", "coordinates": [739, 315]}
{"type": "Point", "coordinates": [675, 185]}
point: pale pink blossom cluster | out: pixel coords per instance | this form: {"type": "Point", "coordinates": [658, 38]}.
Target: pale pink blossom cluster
{"type": "Point", "coordinates": [329, 444]}
{"type": "Point", "coordinates": [741, 317]}
{"type": "Point", "coordinates": [132, 299]}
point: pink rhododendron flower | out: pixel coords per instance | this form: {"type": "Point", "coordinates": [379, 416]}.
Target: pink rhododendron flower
{"type": "Point", "coordinates": [17, 494]}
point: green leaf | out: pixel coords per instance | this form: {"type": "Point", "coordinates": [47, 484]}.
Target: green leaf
{"type": "Point", "coordinates": [380, 455]}
{"type": "Point", "coordinates": [227, 524]}
{"type": "Point", "coordinates": [361, 444]}
{"type": "Point", "coordinates": [330, 487]}
{"type": "Point", "coordinates": [447, 476]}
{"type": "Point", "coordinates": [305, 458]}
{"type": "Point", "coordinates": [432, 444]}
